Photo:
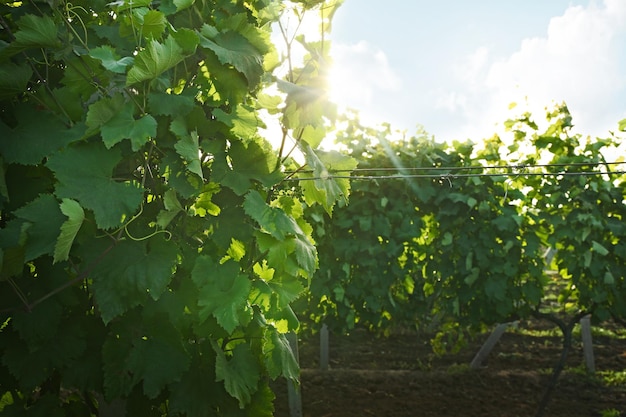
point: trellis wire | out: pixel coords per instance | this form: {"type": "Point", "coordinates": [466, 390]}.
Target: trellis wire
{"type": "Point", "coordinates": [453, 172]}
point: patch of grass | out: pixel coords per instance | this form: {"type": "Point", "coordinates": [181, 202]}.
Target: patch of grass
{"type": "Point", "coordinates": [596, 331]}
{"type": "Point", "coordinates": [613, 378]}
{"type": "Point", "coordinates": [553, 332]}
{"type": "Point", "coordinates": [6, 399]}
{"type": "Point", "coordinates": [459, 368]}
{"type": "Point", "coordinates": [610, 412]}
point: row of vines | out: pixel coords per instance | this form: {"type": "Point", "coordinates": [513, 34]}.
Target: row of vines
{"type": "Point", "coordinates": [448, 237]}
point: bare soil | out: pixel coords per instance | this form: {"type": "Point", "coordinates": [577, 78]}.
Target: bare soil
{"type": "Point", "coordinates": [400, 376]}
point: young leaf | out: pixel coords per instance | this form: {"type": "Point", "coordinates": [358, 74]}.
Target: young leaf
{"type": "Point", "coordinates": [188, 148]}
{"type": "Point", "coordinates": [279, 358]}
{"type": "Point", "coordinates": [114, 118]}
{"type": "Point", "coordinates": [233, 49]}
{"type": "Point", "coordinates": [223, 291]}
{"type": "Point", "coordinates": [155, 60]}
{"type": "Point", "coordinates": [248, 164]}
{"type": "Point", "coordinates": [124, 126]}
{"type": "Point", "coordinates": [110, 59]}
{"type": "Point", "coordinates": [183, 4]}
{"type": "Point", "coordinates": [243, 121]}
{"type": "Point", "coordinates": [271, 219]}
{"type": "Point", "coordinates": [69, 229]}
{"type": "Point", "coordinates": [152, 24]}
{"type": "Point", "coordinates": [324, 189]}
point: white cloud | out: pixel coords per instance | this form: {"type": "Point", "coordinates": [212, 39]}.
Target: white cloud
{"type": "Point", "coordinates": [360, 72]}
{"type": "Point", "coordinates": [580, 61]}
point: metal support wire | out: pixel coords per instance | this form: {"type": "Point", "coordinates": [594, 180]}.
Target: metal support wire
{"type": "Point", "coordinates": [450, 173]}
{"type": "Point", "coordinates": [465, 168]}
{"type": "Point", "coordinates": [453, 176]}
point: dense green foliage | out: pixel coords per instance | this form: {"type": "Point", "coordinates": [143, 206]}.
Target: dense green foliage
{"type": "Point", "coordinates": [153, 244]}
{"type": "Point", "coordinates": [148, 264]}
{"type": "Point", "coordinates": [455, 235]}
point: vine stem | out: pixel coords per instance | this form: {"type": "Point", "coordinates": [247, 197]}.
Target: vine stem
{"type": "Point", "coordinates": [30, 306]}
{"type": "Point", "coordinates": [566, 329]}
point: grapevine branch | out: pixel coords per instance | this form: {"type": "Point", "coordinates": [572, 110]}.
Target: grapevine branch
{"type": "Point", "coordinates": [30, 306]}
{"type": "Point", "coordinates": [566, 329]}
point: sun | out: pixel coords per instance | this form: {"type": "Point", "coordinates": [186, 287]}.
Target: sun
{"type": "Point", "coordinates": [343, 87]}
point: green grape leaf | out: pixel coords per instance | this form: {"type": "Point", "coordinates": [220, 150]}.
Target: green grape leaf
{"type": "Point", "coordinates": [170, 104]}
{"type": "Point", "coordinates": [183, 4]}
{"type": "Point", "coordinates": [115, 120]}
{"type": "Point", "coordinates": [234, 49]}
{"type": "Point", "coordinates": [189, 396]}
{"type": "Point", "coordinates": [287, 233]}
{"type": "Point", "coordinates": [599, 248]}
{"type": "Point", "coordinates": [304, 106]}
{"type": "Point", "coordinates": [132, 271]}
{"type": "Point", "coordinates": [110, 59]}
{"type": "Point", "coordinates": [84, 174]}
{"type": "Point", "coordinates": [223, 291]}
{"type": "Point", "coordinates": [204, 204]}
{"type": "Point", "coordinates": [123, 5]}
{"type": "Point", "coordinates": [313, 135]}
{"type": "Point", "coordinates": [172, 208]}
{"type": "Point", "coordinates": [41, 324]}
{"type": "Point", "coordinates": [324, 189]}
{"type": "Point", "coordinates": [248, 164]}
{"type": "Point", "coordinates": [243, 121]}
{"type": "Point", "coordinates": [279, 254]}
{"type": "Point", "coordinates": [240, 373]}
{"type": "Point", "coordinates": [279, 358]}
{"type": "Point", "coordinates": [30, 363]}
{"type": "Point", "coordinates": [69, 229]}
{"type": "Point", "coordinates": [117, 380]}
{"type": "Point", "coordinates": [288, 289]}
{"type": "Point", "coordinates": [45, 220]}
{"type": "Point", "coordinates": [158, 359]}
{"type": "Point", "coordinates": [13, 79]}
{"type": "Point", "coordinates": [188, 148]}
{"type": "Point", "coordinates": [495, 289]}
{"type": "Point", "coordinates": [152, 24]}
{"type": "Point", "coordinates": [37, 32]}
{"type": "Point", "coordinates": [25, 143]}
{"type": "Point", "coordinates": [124, 126]}
{"type": "Point", "coordinates": [271, 219]}
{"type": "Point", "coordinates": [103, 111]}
{"type": "Point", "coordinates": [155, 60]}
{"type": "Point", "coordinates": [262, 403]}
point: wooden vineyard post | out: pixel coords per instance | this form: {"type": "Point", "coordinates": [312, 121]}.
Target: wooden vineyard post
{"type": "Point", "coordinates": [293, 390]}
{"type": "Point", "coordinates": [585, 331]}
{"type": "Point", "coordinates": [487, 347]}
{"type": "Point", "coordinates": [324, 348]}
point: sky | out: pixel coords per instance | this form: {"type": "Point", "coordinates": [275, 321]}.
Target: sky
{"type": "Point", "coordinates": [454, 66]}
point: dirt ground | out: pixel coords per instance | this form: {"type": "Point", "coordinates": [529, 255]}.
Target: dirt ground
{"type": "Point", "coordinates": [400, 376]}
